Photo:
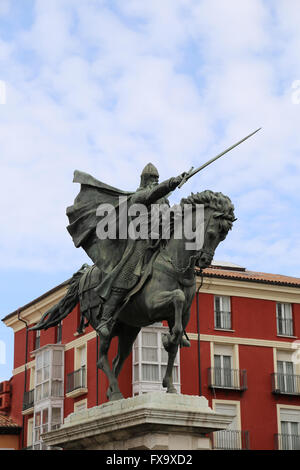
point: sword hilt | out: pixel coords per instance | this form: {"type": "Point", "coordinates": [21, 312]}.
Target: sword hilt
{"type": "Point", "coordinates": [185, 178]}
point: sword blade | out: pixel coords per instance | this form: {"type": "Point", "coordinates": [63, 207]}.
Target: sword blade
{"type": "Point", "coordinates": [218, 156]}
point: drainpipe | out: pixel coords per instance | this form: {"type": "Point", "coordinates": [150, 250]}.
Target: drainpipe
{"type": "Point", "coordinates": [198, 332]}
{"type": "Point", "coordinates": [25, 377]}
{"type": "Point", "coordinates": [97, 370]}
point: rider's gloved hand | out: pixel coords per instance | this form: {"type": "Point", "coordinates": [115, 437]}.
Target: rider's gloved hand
{"type": "Point", "coordinates": [177, 180]}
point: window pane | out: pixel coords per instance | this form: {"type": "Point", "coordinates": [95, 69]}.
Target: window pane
{"type": "Point", "coordinates": [56, 415]}
{"type": "Point", "coordinates": [287, 311]}
{"type": "Point", "coordinates": [217, 361]}
{"type": "Point", "coordinates": [149, 339]}
{"type": "Point", "coordinates": [150, 372]}
{"type": "Point", "coordinates": [279, 310]}
{"type": "Point", "coordinates": [46, 358]}
{"type": "Point", "coordinates": [136, 354]}
{"type": "Point", "coordinates": [38, 392]}
{"type": "Point", "coordinates": [39, 376]}
{"type": "Point", "coordinates": [217, 304]}
{"type": "Point", "coordinates": [38, 418]}
{"type": "Point", "coordinates": [45, 416]}
{"type": "Point", "coordinates": [46, 372]}
{"type": "Point", "coordinates": [227, 362]}
{"type": "Point", "coordinates": [82, 356]}
{"type": "Point", "coordinates": [136, 372]}
{"type": "Point", "coordinates": [45, 389]}
{"type": "Point", "coordinates": [37, 434]}
{"type": "Point", "coordinates": [164, 356]}
{"type": "Point", "coordinates": [57, 388]}
{"type": "Point", "coordinates": [149, 354]}
{"type": "Point", "coordinates": [284, 427]}
{"type": "Point", "coordinates": [280, 367]}
{"type": "Point", "coordinates": [39, 361]}
{"type": "Point", "coordinates": [57, 357]}
{"type": "Point", "coordinates": [57, 372]}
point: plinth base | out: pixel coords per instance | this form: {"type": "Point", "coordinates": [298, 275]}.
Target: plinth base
{"type": "Point", "coordinates": [151, 421]}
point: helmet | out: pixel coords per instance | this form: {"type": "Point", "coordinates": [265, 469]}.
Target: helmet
{"type": "Point", "coordinates": [150, 169]}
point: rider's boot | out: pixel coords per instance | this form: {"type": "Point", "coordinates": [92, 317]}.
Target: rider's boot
{"type": "Point", "coordinates": [109, 308]}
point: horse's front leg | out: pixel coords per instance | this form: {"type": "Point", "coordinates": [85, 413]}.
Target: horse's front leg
{"type": "Point", "coordinates": [167, 299]}
{"type": "Point", "coordinates": [103, 363]}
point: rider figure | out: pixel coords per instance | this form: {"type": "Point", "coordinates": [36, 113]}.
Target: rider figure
{"type": "Point", "coordinates": [149, 192]}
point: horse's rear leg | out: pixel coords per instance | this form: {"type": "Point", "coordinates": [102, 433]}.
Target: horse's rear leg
{"type": "Point", "coordinates": [168, 378]}
{"type": "Point", "coordinates": [126, 340]}
{"type": "Point", "coordinates": [103, 363]}
{"type": "Point", "coordinates": [126, 337]}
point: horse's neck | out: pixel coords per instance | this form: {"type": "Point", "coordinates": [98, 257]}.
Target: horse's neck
{"type": "Point", "coordinates": [181, 259]}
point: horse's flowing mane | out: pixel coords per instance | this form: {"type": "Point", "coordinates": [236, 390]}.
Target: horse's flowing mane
{"type": "Point", "coordinates": [216, 201]}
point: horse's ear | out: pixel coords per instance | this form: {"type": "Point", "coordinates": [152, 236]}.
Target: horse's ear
{"type": "Point", "coordinates": [218, 214]}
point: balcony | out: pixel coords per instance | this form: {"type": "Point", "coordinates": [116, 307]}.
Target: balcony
{"type": "Point", "coordinates": [229, 379]}
{"type": "Point", "coordinates": [28, 402]}
{"type": "Point", "coordinates": [230, 440]}
{"type": "Point", "coordinates": [287, 441]}
{"type": "Point", "coordinates": [285, 384]}
{"type": "Point", "coordinates": [76, 383]}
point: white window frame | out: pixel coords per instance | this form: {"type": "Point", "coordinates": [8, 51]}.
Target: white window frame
{"type": "Point", "coordinates": [225, 436]}
{"type": "Point", "coordinates": [30, 426]}
{"type": "Point", "coordinates": [139, 385]}
{"type": "Point", "coordinates": [54, 377]}
{"type": "Point", "coordinates": [288, 414]}
{"type": "Point", "coordinates": [80, 368]}
{"type": "Point", "coordinates": [222, 314]}
{"type": "Point", "coordinates": [50, 425]}
{"type": "Point", "coordinates": [284, 319]}
{"type": "Point", "coordinates": [50, 378]}
{"type": "Point", "coordinates": [225, 349]}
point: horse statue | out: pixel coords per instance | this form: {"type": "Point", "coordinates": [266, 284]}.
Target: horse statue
{"type": "Point", "coordinates": [164, 292]}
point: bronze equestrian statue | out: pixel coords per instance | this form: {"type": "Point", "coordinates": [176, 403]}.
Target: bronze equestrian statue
{"type": "Point", "coordinates": [142, 273]}
{"type": "Point", "coordinates": [137, 282]}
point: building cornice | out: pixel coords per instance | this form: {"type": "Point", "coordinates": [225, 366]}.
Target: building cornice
{"type": "Point", "coordinates": [246, 288]}
{"type": "Point", "coordinates": [33, 312]}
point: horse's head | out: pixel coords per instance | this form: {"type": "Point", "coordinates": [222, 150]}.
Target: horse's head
{"type": "Point", "coordinates": [218, 220]}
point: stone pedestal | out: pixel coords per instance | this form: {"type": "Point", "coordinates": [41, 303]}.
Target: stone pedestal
{"type": "Point", "coordinates": [153, 421]}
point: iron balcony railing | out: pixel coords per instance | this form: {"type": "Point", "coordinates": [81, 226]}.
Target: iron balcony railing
{"type": "Point", "coordinates": [76, 379]}
{"type": "Point", "coordinates": [286, 384]}
{"type": "Point", "coordinates": [234, 379]}
{"type": "Point", "coordinates": [287, 441]}
{"type": "Point", "coordinates": [285, 326]}
{"type": "Point", "coordinates": [231, 440]}
{"type": "Point", "coordinates": [223, 320]}
{"type": "Point", "coordinates": [28, 400]}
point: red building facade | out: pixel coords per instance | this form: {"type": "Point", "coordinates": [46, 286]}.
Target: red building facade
{"type": "Point", "coordinates": [244, 358]}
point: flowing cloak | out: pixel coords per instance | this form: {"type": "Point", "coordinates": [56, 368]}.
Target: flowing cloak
{"type": "Point", "coordinates": [110, 256]}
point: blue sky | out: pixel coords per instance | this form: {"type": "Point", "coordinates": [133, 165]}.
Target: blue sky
{"type": "Point", "coordinates": [106, 87]}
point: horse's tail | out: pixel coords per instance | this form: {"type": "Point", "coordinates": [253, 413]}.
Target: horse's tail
{"type": "Point", "coordinates": [55, 314]}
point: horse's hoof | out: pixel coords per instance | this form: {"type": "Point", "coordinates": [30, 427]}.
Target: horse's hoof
{"type": "Point", "coordinates": [185, 343]}
{"type": "Point", "coordinates": [172, 390]}
{"type": "Point", "coordinates": [114, 396]}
